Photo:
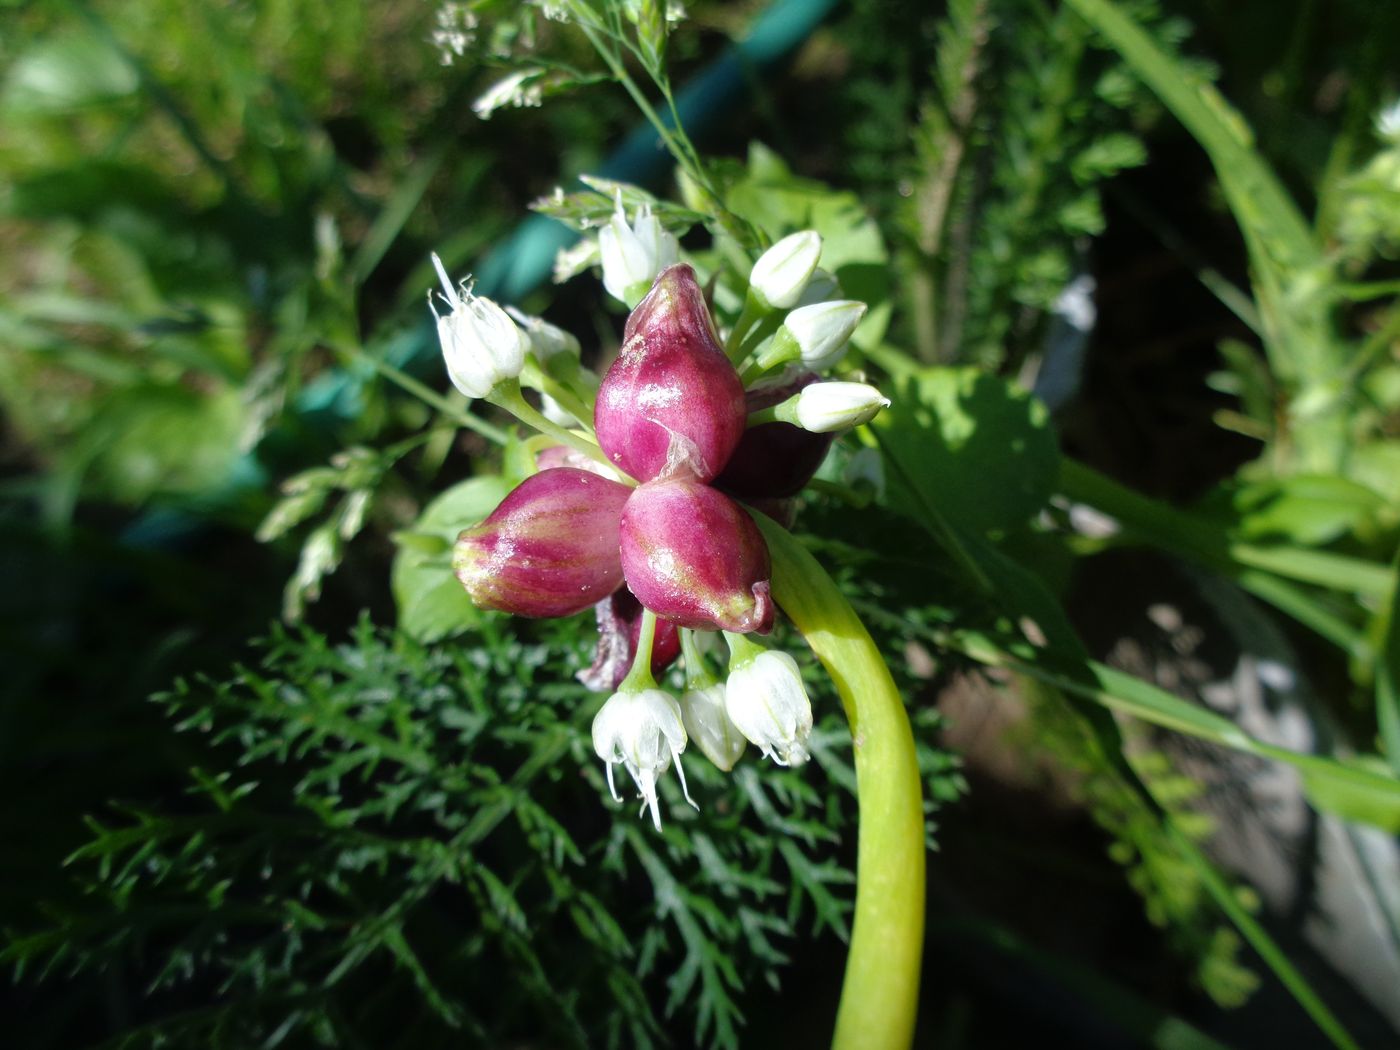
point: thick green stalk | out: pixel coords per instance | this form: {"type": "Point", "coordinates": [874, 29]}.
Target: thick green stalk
{"type": "Point", "coordinates": [879, 999]}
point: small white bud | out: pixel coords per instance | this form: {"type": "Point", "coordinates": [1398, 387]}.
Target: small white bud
{"type": "Point", "coordinates": [710, 726]}
{"type": "Point", "coordinates": [481, 345]}
{"type": "Point", "coordinates": [765, 698]}
{"type": "Point", "coordinates": [826, 407]}
{"type": "Point", "coordinates": [644, 732]}
{"type": "Point", "coordinates": [781, 274]}
{"type": "Point", "coordinates": [822, 331]}
{"type": "Point", "coordinates": [633, 255]}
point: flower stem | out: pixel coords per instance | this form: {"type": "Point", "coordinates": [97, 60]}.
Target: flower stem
{"type": "Point", "coordinates": [879, 999]}
{"type": "Point", "coordinates": [697, 669]}
{"type": "Point", "coordinates": [425, 393]}
{"type": "Point", "coordinates": [507, 395]}
{"type": "Point", "coordinates": [536, 376]}
{"type": "Point", "coordinates": [640, 676]}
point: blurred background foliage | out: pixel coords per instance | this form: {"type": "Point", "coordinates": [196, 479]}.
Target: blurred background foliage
{"type": "Point", "coordinates": [385, 824]}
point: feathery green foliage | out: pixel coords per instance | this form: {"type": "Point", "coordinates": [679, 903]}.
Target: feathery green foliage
{"type": "Point", "coordinates": [379, 826]}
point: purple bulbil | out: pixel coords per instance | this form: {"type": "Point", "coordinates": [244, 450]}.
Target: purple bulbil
{"type": "Point", "coordinates": [671, 405]}
{"type": "Point", "coordinates": [549, 549]}
{"type": "Point", "coordinates": [694, 556]}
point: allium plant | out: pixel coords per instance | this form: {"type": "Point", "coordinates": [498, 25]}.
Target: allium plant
{"type": "Point", "coordinates": [650, 511]}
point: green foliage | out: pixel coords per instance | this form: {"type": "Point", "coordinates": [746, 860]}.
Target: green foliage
{"type": "Point", "coordinates": [1174, 896]}
{"type": "Point", "coordinates": [988, 445]}
{"type": "Point", "coordinates": [378, 827]}
{"type": "Point", "coordinates": [431, 603]}
{"type": "Point", "coordinates": [1014, 124]}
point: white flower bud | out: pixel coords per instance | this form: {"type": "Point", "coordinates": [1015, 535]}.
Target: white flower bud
{"type": "Point", "coordinates": [633, 255]}
{"type": "Point", "coordinates": [823, 329]}
{"type": "Point", "coordinates": [781, 274]}
{"type": "Point", "coordinates": [826, 407]}
{"type": "Point", "coordinates": [644, 732]}
{"type": "Point", "coordinates": [765, 698]}
{"type": "Point", "coordinates": [710, 727]}
{"type": "Point", "coordinates": [480, 343]}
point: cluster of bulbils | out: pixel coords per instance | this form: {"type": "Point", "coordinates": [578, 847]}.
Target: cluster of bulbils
{"type": "Point", "coordinates": [644, 527]}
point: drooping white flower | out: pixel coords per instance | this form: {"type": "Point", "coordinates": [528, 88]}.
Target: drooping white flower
{"type": "Point", "coordinates": [765, 698]}
{"type": "Point", "coordinates": [824, 408]}
{"type": "Point", "coordinates": [822, 331]}
{"type": "Point", "coordinates": [633, 255]}
{"type": "Point", "coordinates": [480, 343]}
{"type": "Point", "coordinates": [520, 89]}
{"type": "Point", "coordinates": [643, 731]}
{"type": "Point", "coordinates": [781, 274]}
{"type": "Point", "coordinates": [710, 727]}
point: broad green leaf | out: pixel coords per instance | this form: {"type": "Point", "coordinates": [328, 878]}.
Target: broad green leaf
{"type": "Point", "coordinates": [431, 603]}
{"type": "Point", "coordinates": [972, 446]}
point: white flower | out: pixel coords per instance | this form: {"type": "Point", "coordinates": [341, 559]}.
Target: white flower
{"type": "Point", "coordinates": [644, 732]}
{"type": "Point", "coordinates": [823, 329]}
{"type": "Point", "coordinates": [826, 407]}
{"type": "Point", "coordinates": [765, 698]}
{"type": "Point", "coordinates": [520, 89]}
{"type": "Point", "coordinates": [480, 343]}
{"type": "Point", "coordinates": [710, 726]}
{"type": "Point", "coordinates": [781, 274]}
{"type": "Point", "coordinates": [456, 29]}
{"type": "Point", "coordinates": [634, 255]}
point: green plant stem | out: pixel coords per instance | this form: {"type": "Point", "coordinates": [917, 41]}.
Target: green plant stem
{"type": "Point", "coordinates": [697, 669]}
{"type": "Point", "coordinates": [1260, 941]}
{"type": "Point", "coordinates": [879, 998]}
{"type": "Point", "coordinates": [539, 379]}
{"type": "Point", "coordinates": [640, 676]}
{"type": "Point", "coordinates": [508, 396]}
{"type": "Point", "coordinates": [426, 394]}
{"type": "Point", "coordinates": [749, 316]}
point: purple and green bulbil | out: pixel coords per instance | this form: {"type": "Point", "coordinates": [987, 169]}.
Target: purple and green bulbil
{"type": "Point", "coordinates": [670, 414]}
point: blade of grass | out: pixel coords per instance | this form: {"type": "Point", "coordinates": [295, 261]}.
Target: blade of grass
{"type": "Point", "coordinates": [1351, 789]}
{"type": "Point", "coordinates": [390, 221]}
{"type": "Point", "coordinates": [1107, 740]}
{"type": "Point", "coordinates": [1261, 942]}
{"type": "Point", "coordinates": [1388, 672]}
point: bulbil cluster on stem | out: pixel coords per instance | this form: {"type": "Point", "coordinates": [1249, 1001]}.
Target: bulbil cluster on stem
{"type": "Point", "coordinates": [635, 517]}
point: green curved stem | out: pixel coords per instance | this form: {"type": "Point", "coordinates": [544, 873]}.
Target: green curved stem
{"type": "Point", "coordinates": [879, 999]}
{"type": "Point", "coordinates": [507, 395]}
